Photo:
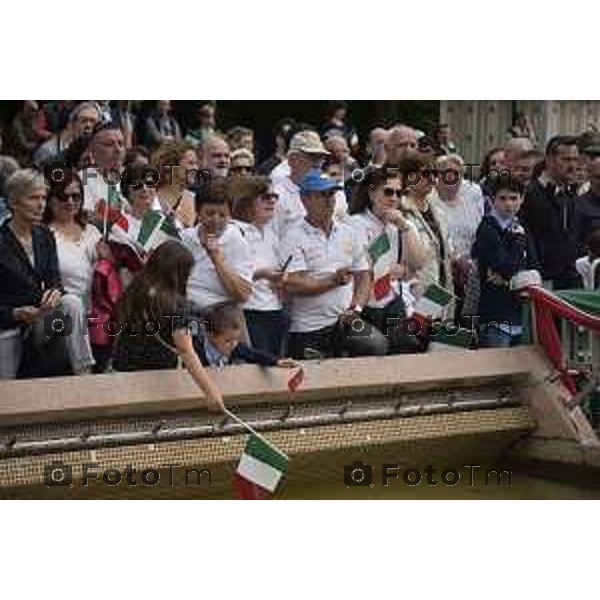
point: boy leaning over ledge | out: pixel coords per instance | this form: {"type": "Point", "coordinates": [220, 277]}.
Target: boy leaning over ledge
{"type": "Point", "coordinates": [502, 248]}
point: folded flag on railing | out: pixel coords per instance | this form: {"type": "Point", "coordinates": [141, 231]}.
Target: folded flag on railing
{"type": "Point", "coordinates": [432, 303]}
{"type": "Point", "coordinates": [450, 335]}
{"type": "Point", "coordinates": [260, 470]}
{"type": "Point", "coordinates": [155, 229]}
{"type": "Point", "coordinates": [382, 259]}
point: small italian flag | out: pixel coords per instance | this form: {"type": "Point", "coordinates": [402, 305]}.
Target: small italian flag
{"type": "Point", "coordinates": [260, 469]}
{"type": "Point", "coordinates": [155, 229]}
{"type": "Point", "coordinates": [433, 302]}
{"type": "Point", "coordinates": [110, 214]}
{"type": "Point", "coordinates": [295, 381]}
{"type": "Point", "coordinates": [382, 259]}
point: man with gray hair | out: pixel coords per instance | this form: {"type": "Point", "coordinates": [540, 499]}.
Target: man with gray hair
{"type": "Point", "coordinates": [399, 140]}
{"type": "Point", "coordinates": [214, 155]}
{"type": "Point", "coordinates": [82, 120]}
{"type": "Point", "coordinates": [306, 152]}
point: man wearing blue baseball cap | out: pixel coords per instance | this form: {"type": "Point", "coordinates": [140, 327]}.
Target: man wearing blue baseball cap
{"type": "Point", "coordinates": [328, 279]}
{"type": "Point", "coordinates": [317, 181]}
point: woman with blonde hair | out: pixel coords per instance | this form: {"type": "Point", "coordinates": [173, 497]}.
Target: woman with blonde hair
{"type": "Point", "coordinates": [462, 204]}
{"type": "Point", "coordinates": [175, 161]}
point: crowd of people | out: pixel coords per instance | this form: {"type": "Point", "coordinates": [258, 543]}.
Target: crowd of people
{"type": "Point", "coordinates": [323, 249]}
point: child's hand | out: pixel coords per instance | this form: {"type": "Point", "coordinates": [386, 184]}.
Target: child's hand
{"type": "Point", "coordinates": [288, 363]}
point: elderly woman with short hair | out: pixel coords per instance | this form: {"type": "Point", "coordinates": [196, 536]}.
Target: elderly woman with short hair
{"type": "Point", "coordinates": [30, 285]}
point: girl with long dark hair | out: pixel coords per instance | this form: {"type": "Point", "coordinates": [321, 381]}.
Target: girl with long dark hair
{"type": "Point", "coordinates": [156, 321]}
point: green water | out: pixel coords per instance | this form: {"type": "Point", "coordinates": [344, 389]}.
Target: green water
{"type": "Point", "coordinates": [525, 486]}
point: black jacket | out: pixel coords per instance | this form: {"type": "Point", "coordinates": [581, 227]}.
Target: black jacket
{"type": "Point", "coordinates": [550, 218]}
{"type": "Point", "coordinates": [501, 252]}
{"type": "Point", "coordinates": [21, 283]}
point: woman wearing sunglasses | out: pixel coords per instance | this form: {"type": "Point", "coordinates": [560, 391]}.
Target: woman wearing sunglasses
{"type": "Point", "coordinates": [395, 253]}
{"type": "Point", "coordinates": [421, 209]}
{"type": "Point", "coordinates": [79, 245]}
{"type": "Point", "coordinates": [253, 211]}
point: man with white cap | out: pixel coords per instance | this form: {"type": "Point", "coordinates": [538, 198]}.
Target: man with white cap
{"type": "Point", "coordinates": [306, 152]}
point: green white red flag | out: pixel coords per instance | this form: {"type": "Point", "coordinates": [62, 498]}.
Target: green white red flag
{"type": "Point", "coordinates": [382, 259]}
{"type": "Point", "coordinates": [260, 470]}
{"type": "Point", "coordinates": [155, 229]}
{"type": "Point", "coordinates": [433, 302]}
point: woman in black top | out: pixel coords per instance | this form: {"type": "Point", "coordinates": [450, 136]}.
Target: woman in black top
{"type": "Point", "coordinates": [155, 320]}
{"type": "Point", "coordinates": [30, 285]}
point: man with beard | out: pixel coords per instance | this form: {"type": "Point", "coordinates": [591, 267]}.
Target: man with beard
{"type": "Point", "coordinates": [214, 156]}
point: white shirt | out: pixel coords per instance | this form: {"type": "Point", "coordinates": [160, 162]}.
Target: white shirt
{"type": "Point", "coordinates": [584, 268]}
{"type": "Point", "coordinates": [205, 287]}
{"type": "Point", "coordinates": [463, 216]}
{"type": "Point", "coordinates": [281, 171]}
{"type": "Point", "coordinates": [263, 244]}
{"type": "Point", "coordinates": [320, 256]}
{"type": "Point", "coordinates": [76, 260]}
{"type": "Point", "coordinates": [368, 227]}
{"type": "Point", "coordinates": [290, 210]}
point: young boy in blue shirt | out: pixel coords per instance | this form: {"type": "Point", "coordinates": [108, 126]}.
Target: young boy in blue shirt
{"type": "Point", "coordinates": [221, 344]}
{"type": "Point", "coordinates": [502, 248]}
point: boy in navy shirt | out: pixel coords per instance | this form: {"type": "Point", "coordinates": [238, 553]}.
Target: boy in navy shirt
{"type": "Point", "coordinates": [502, 248]}
{"type": "Point", "coordinates": [221, 345]}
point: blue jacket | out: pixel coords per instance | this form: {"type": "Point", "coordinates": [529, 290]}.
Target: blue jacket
{"type": "Point", "coordinates": [500, 254]}
{"type": "Point", "coordinates": [242, 354]}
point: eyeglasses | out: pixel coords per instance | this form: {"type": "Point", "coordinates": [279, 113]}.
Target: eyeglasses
{"type": "Point", "coordinates": [66, 197]}
{"type": "Point", "coordinates": [143, 184]}
{"type": "Point", "coordinates": [241, 169]}
{"type": "Point", "coordinates": [271, 196]}
{"type": "Point", "coordinates": [390, 192]}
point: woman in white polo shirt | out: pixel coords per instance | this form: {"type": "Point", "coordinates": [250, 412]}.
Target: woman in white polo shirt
{"type": "Point", "coordinates": [395, 253]}
{"type": "Point", "coordinates": [254, 209]}
{"type": "Point", "coordinates": [223, 267]}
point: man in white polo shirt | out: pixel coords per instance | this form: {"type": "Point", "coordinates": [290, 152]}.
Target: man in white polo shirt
{"type": "Point", "coordinates": [328, 279]}
{"type": "Point", "coordinates": [306, 152]}
{"type": "Point", "coordinates": [223, 266]}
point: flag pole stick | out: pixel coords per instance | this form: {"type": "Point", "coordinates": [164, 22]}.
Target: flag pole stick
{"type": "Point", "coordinates": [253, 431]}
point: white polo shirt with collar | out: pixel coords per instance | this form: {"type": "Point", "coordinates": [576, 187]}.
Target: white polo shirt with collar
{"type": "Point", "coordinates": [205, 287]}
{"type": "Point", "coordinates": [290, 210]}
{"type": "Point", "coordinates": [264, 252]}
{"type": "Point", "coordinates": [320, 256]}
